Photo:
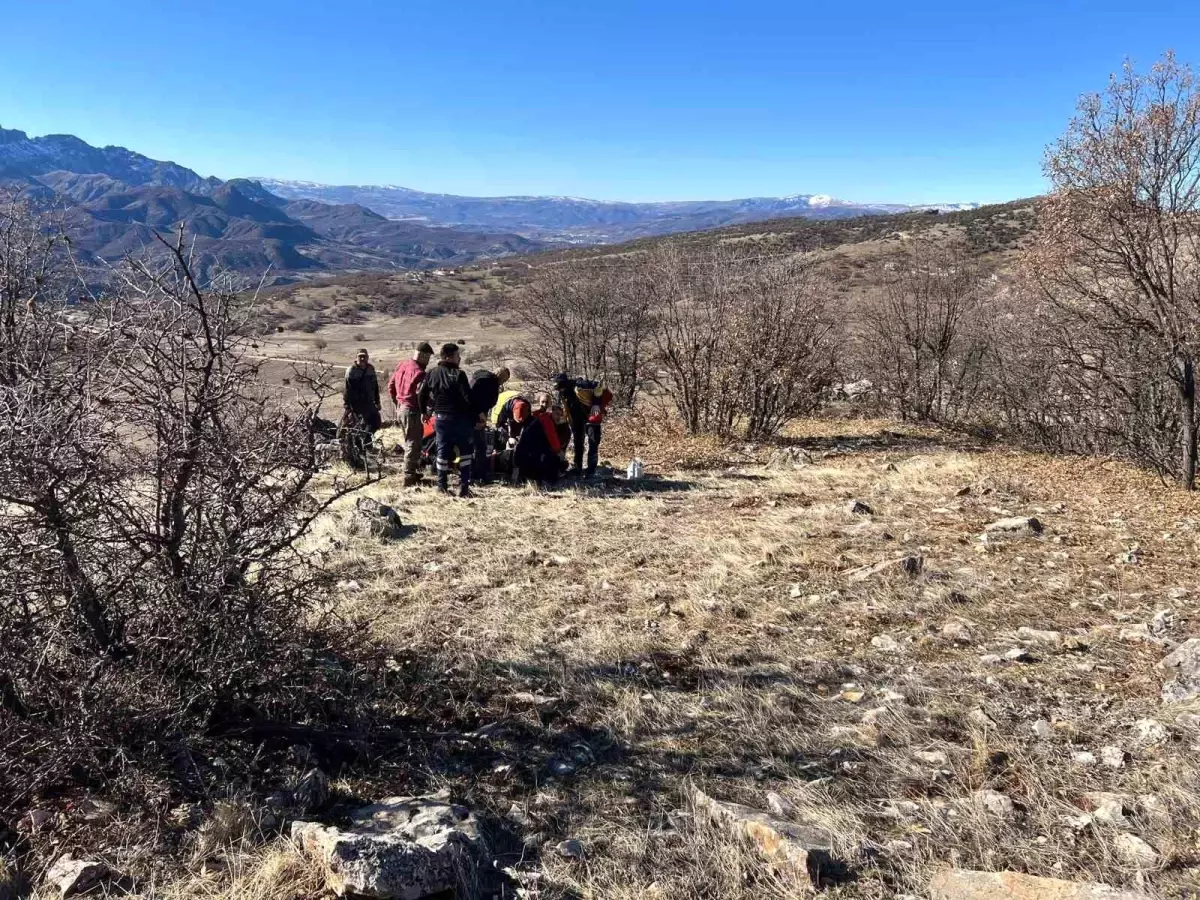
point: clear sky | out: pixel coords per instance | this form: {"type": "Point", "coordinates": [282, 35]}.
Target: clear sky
{"type": "Point", "coordinates": [904, 100]}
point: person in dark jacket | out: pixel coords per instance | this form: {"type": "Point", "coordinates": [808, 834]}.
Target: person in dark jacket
{"type": "Point", "coordinates": [485, 392]}
{"type": "Point", "coordinates": [538, 454]}
{"type": "Point", "coordinates": [446, 395]}
{"type": "Point", "coordinates": [585, 409]}
{"type": "Point", "coordinates": [360, 393]}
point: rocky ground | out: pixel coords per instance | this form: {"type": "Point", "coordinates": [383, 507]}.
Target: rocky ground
{"type": "Point", "coordinates": [850, 664]}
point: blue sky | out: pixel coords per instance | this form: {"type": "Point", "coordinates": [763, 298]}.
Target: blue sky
{"type": "Point", "coordinates": [906, 100]}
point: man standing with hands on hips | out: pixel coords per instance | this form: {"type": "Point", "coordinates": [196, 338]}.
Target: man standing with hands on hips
{"type": "Point", "coordinates": [404, 388]}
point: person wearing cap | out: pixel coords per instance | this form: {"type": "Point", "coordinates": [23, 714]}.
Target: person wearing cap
{"type": "Point", "coordinates": [585, 407]}
{"type": "Point", "coordinates": [446, 394]}
{"type": "Point", "coordinates": [360, 393]}
{"type": "Point", "coordinates": [404, 388]}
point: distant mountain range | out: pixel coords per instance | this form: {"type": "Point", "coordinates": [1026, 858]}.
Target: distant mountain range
{"type": "Point", "coordinates": [114, 200]}
{"type": "Point", "coordinates": [576, 220]}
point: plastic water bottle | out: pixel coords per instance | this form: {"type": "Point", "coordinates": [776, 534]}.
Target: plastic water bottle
{"type": "Point", "coordinates": [636, 470]}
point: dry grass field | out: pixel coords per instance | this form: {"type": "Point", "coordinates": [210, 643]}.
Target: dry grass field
{"type": "Point", "coordinates": [590, 656]}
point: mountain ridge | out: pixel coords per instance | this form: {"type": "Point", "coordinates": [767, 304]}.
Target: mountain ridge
{"type": "Point", "coordinates": [580, 219]}
{"type": "Point", "coordinates": [114, 200]}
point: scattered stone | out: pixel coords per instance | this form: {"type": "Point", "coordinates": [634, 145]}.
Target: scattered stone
{"type": "Point", "coordinates": [1150, 731]}
{"type": "Point", "coordinates": [1184, 662]}
{"type": "Point", "coordinates": [890, 696]}
{"type": "Point", "coordinates": [349, 585]}
{"type": "Point", "coordinates": [858, 508]}
{"type": "Point", "coordinates": [991, 659]}
{"type": "Point", "coordinates": [1162, 622]}
{"type": "Point", "coordinates": [1131, 557]}
{"type": "Point", "coordinates": [930, 757]}
{"type": "Point", "coordinates": [779, 806]}
{"type": "Point", "coordinates": [1042, 730]}
{"type": "Point", "coordinates": [1051, 639]}
{"type": "Point", "coordinates": [964, 491]}
{"type": "Point", "coordinates": [383, 521]}
{"type": "Point", "coordinates": [1178, 593]}
{"type": "Point", "coordinates": [964, 884]}
{"type": "Point", "coordinates": [400, 849]}
{"type": "Point", "coordinates": [1015, 525]}
{"type": "Point", "coordinates": [789, 458]}
{"type": "Point", "coordinates": [72, 876]}
{"type": "Point", "coordinates": [1107, 808]}
{"type": "Point", "coordinates": [909, 565]}
{"type": "Point", "coordinates": [1075, 644]}
{"type": "Point", "coordinates": [779, 840]}
{"type": "Point", "coordinates": [886, 643]}
{"type": "Point", "coordinates": [1084, 757]}
{"type": "Point", "coordinates": [95, 811]}
{"type": "Point", "coordinates": [958, 632]}
{"type": "Point", "coordinates": [1020, 654]}
{"type": "Point", "coordinates": [570, 849]}
{"type": "Point", "coordinates": [853, 696]}
{"type": "Point", "coordinates": [1133, 851]}
{"type": "Point", "coordinates": [995, 803]}
{"type": "Point", "coordinates": [1113, 757]}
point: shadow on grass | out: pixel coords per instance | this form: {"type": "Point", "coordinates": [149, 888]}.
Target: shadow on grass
{"type": "Point", "coordinates": [885, 441]}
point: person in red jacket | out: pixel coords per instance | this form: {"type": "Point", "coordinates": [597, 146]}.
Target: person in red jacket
{"type": "Point", "coordinates": [404, 388]}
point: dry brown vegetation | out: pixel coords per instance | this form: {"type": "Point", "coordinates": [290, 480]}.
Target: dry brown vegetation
{"type": "Point", "coordinates": [594, 653]}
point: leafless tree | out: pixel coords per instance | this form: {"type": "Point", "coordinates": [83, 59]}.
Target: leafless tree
{"type": "Point", "coordinates": [1117, 248]}
{"type": "Point", "coordinates": [741, 342]}
{"type": "Point", "coordinates": [153, 497]}
{"type": "Point", "coordinates": [924, 334]}
{"type": "Point", "coordinates": [588, 321]}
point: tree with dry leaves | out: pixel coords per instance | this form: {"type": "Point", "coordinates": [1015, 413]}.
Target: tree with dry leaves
{"type": "Point", "coordinates": [1118, 245]}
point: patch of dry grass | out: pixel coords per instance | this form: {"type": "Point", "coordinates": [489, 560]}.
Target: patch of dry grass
{"type": "Point", "coordinates": [603, 648]}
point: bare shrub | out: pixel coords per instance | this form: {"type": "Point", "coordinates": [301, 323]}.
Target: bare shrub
{"type": "Point", "coordinates": [153, 590]}
{"type": "Point", "coordinates": [924, 334]}
{"type": "Point", "coordinates": [588, 321]}
{"type": "Point", "coordinates": [741, 342]}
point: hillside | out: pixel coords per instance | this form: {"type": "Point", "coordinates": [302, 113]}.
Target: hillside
{"type": "Point", "coordinates": [391, 312]}
{"type": "Point", "coordinates": [576, 664]}
{"type": "Point", "coordinates": [580, 221]}
{"type": "Point", "coordinates": [114, 201]}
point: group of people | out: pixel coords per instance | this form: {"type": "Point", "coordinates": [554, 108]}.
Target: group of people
{"type": "Point", "coordinates": [476, 423]}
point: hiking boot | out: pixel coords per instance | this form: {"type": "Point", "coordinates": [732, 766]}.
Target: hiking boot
{"type": "Point", "coordinates": [412, 480]}
{"type": "Point", "coordinates": [443, 483]}
{"type": "Point", "coordinates": [465, 492]}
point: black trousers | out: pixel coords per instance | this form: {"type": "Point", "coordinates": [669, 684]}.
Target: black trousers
{"type": "Point", "coordinates": [591, 432]}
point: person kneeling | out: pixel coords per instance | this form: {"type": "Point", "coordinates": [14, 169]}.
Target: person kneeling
{"type": "Point", "coordinates": [538, 454]}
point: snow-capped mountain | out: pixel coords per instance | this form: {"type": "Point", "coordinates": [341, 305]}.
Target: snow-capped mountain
{"type": "Point", "coordinates": [579, 219]}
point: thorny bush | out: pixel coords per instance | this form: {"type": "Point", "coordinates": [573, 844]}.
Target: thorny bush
{"type": "Point", "coordinates": [154, 592]}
